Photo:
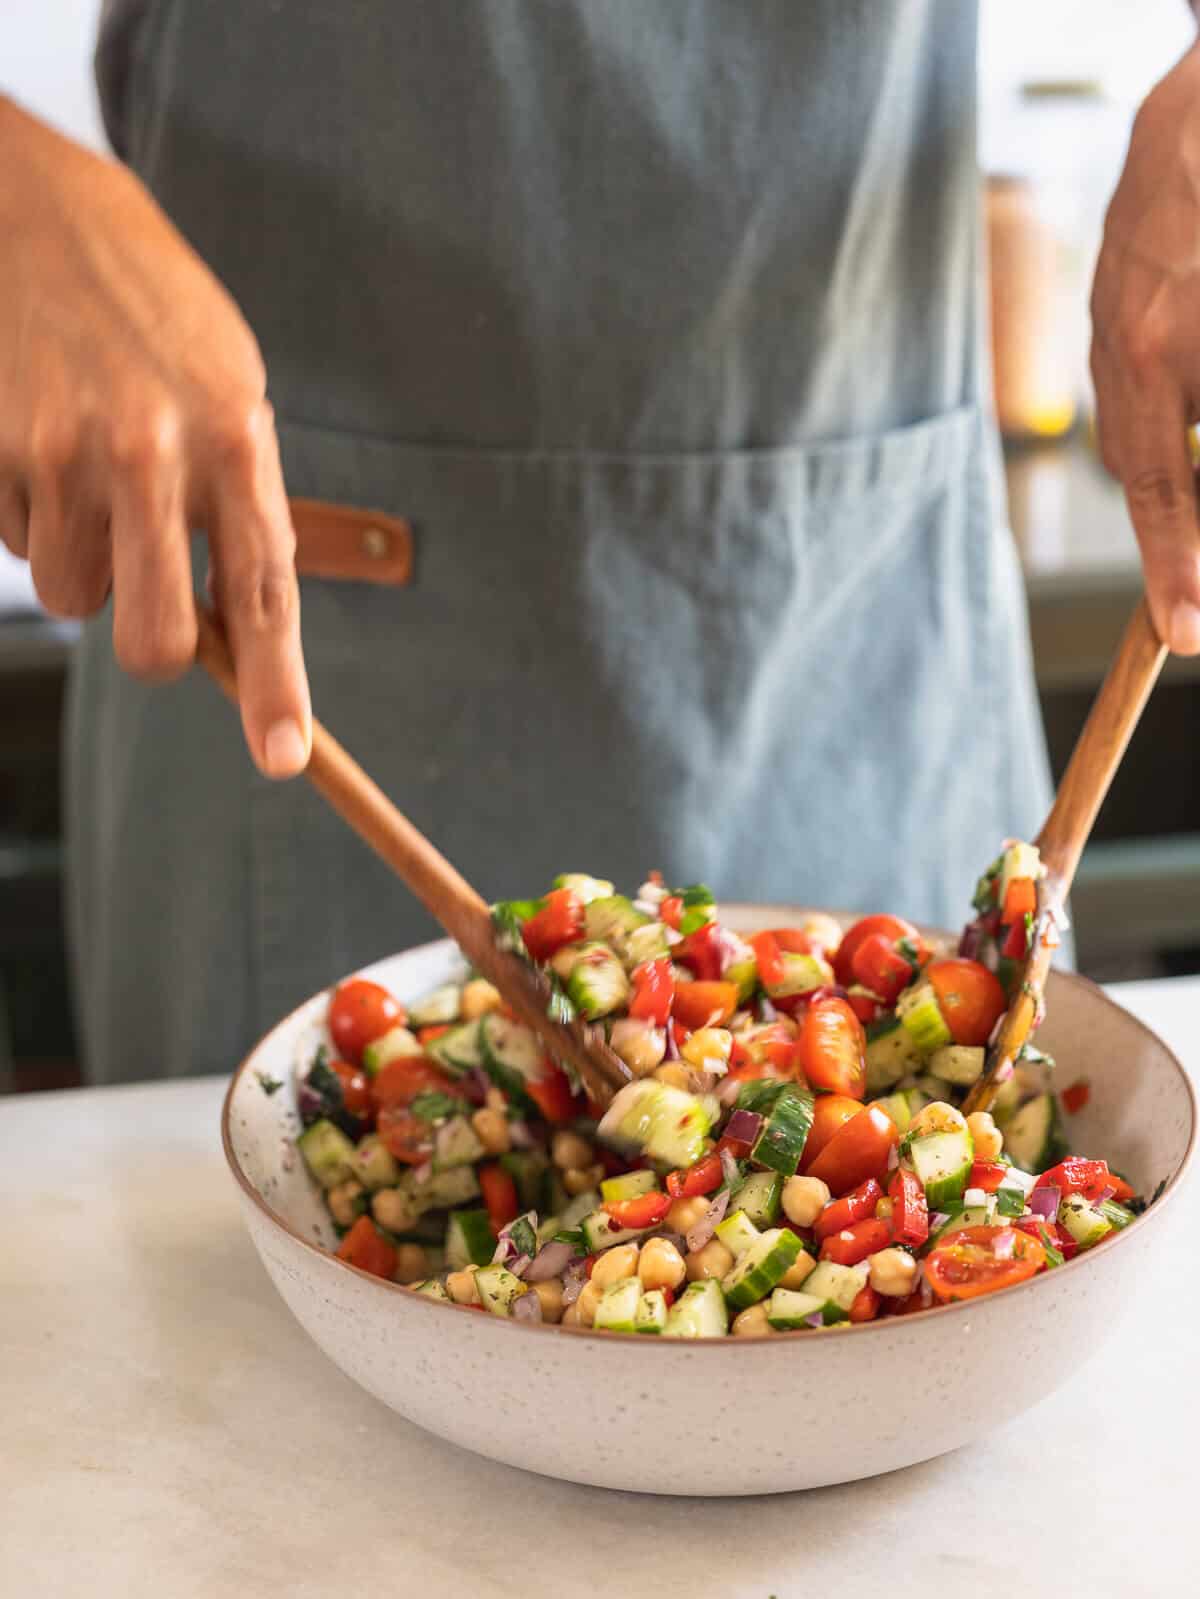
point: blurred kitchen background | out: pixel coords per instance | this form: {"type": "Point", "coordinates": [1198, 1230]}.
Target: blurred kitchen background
{"type": "Point", "coordinates": [1059, 80]}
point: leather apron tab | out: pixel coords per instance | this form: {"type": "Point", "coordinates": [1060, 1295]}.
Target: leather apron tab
{"type": "Point", "coordinates": [347, 542]}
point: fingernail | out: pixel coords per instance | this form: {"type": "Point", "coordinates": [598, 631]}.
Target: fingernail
{"type": "Point", "coordinates": [284, 749]}
{"type": "Point", "coordinates": [1185, 628]}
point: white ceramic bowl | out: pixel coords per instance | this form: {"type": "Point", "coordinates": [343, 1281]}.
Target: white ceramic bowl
{"type": "Point", "coordinates": [728, 1416]}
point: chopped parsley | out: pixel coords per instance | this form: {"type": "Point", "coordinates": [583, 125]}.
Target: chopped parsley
{"type": "Point", "coordinates": [269, 1085]}
{"type": "Point", "coordinates": [1054, 1257]}
{"type": "Point", "coordinates": [906, 947]}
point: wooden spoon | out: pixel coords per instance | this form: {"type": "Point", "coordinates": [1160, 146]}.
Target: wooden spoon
{"type": "Point", "coordinates": [443, 891]}
{"type": "Point", "coordinates": [1094, 761]}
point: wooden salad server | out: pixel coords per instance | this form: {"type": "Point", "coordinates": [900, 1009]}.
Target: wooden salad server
{"type": "Point", "coordinates": [440, 888]}
{"type": "Point", "coordinates": [1094, 761]}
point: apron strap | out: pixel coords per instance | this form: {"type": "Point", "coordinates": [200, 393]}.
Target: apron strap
{"type": "Point", "coordinates": [344, 541]}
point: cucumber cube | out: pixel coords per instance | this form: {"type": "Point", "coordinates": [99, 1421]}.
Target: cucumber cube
{"type": "Point", "coordinates": [438, 1008]}
{"type": "Point", "coordinates": [836, 1288]}
{"type": "Point", "coordinates": [738, 1233]}
{"type": "Point", "coordinates": [760, 1268]}
{"type": "Point", "coordinates": [961, 1064]}
{"type": "Point", "coordinates": [498, 1288]}
{"type": "Point", "coordinates": [619, 1305]}
{"type": "Point", "coordinates": [651, 1313]}
{"type": "Point", "coordinates": [942, 1162]}
{"type": "Point", "coordinates": [374, 1165]}
{"type": "Point", "coordinates": [393, 1045]}
{"type": "Point", "coordinates": [921, 1015]}
{"type": "Point", "coordinates": [1086, 1224]}
{"type": "Point", "coordinates": [759, 1197]}
{"type": "Point", "coordinates": [790, 1307]}
{"type": "Point", "coordinates": [613, 1190]}
{"type": "Point", "coordinates": [328, 1153]}
{"type": "Point", "coordinates": [699, 1312]}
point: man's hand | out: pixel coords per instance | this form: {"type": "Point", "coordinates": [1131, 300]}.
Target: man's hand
{"type": "Point", "coordinates": [1146, 346]}
{"type": "Point", "coordinates": [132, 408]}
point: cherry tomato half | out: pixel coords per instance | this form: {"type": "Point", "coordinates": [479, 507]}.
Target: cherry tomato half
{"type": "Point", "coordinates": [969, 996]}
{"type": "Point", "coordinates": [499, 1195]}
{"type": "Point", "coordinates": [892, 927]}
{"type": "Point", "coordinates": [910, 1211]}
{"type": "Point", "coordinates": [409, 1138]}
{"type": "Point", "coordinates": [831, 1112]}
{"type": "Point", "coordinates": [653, 991]}
{"type": "Point", "coordinates": [833, 1049]}
{"type": "Point", "coordinates": [644, 1210]}
{"type": "Point", "coordinates": [879, 966]}
{"type": "Point", "coordinates": [402, 1079]}
{"type": "Point", "coordinates": [701, 1178]}
{"type": "Point", "coordinates": [359, 1013]}
{"type": "Point", "coordinates": [979, 1260]}
{"type": "Point", "coordinates": [551, 1093]}
{"type": "Point", "coordinates": [858, 1150]}
{"type": "Point", "coordinates": [356, 1091]}
{"type": "Point", "coordinates": [865, 1306]}
{"type": "Point", "coordinates": [702, 952]}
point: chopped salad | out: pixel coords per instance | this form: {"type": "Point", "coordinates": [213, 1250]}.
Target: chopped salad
{"type": "Point", "coordinates": [790, 1154]}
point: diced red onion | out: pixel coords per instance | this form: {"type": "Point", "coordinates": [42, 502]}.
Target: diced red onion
{"type": "Point", "coordinates": [1003, 1245]}
{"type": "Point", "coordinates": [675, 1239]}
{"type": "Point", "coordinates": [938, 1219]}
{"type": "Point", "coordinates": [573, 1280]}
{"type": "Point", "coordinates": [990, 957]}
{"type": "Point", "coordinates": [744, 1125]}
{"type": "Point", "coordinates": [423, 1172]}
{"type": "Point", "coordinates": [527, 1307]}
{"type": "Point", "coordinates": [766, 1011]}
{"type": "Point", "coordinates": [728, 1090]}
{"type": "Point", "coordinates": [893, 1159]}
{"type": "Point", "coordinates": [520, 1135]}
{"type": "Point", "coordinates": [817, 1319]}
{"type": "Point", "coordinates": [1106, 1193]}
{"type": "Point", "coordinates": [550, 1261]}
{"type": "Point", "coordinates": [673, 937]}
{"type": "Point", "coordinates": [729, 1167]}
{"type": "Point", "coordinates": [731, 947]}
{"type": "Point", "coordinates": [475, 1085]}
{"type": "Point", "coordinates": [700, 1234]}
{"type": "Point", "coordinates": [971, 942]}
{"type": "Point", "coordinates": [672, 1050]}
{"type": "Point", "coordinates": [1044, 1202]}
{"type": "Point", "coordinates": [926, 1292]}
{"type": "Point", "coordinates": [995, 1032]}
{"type": "Point", "coordinates": [309, 1102]}
{"type": "Point", "coordinates": [444, 1139]}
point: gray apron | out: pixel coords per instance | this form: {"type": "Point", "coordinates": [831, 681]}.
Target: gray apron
{"type": "Point", "coordinates": [660, 321]}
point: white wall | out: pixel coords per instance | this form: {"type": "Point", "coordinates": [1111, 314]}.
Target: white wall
{"type": "Point", "coordinates": [45, 49]}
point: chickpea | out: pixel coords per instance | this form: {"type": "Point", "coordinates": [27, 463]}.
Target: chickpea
{"type": "Point", "coordinates": [393, 1209]}
{"type": "Point", "coordinates": [587, 1302]}
{"type": "Point", "coordinates": [893, 1272]}
{"type": "Point", "coordinates": [685, 1213]}
{"type": "Point", "coordinates": [412, 1264]}
{"type": "Point", "coordinates": [714, 1260]}
{"type": "Point", "coordinates": [570, 1316]}
{"type": "Point", "coordinates": [937, 1118]}
{"type": "Point", "coordinates": [707, 1044]}
{"type": "Point", "coordinates": [674, 1073]}
{"type": "Point", "coordinates": [640, 1047]}
{"type": "Point", "coordinates": [550, 1295]}
{"type": "Point", "coordinates": [883, 1208]}
{"type": "Point", "coordinates": [660, 1265]}
{"type": "Point", "coordinates": [568, 1149]}
{"type": "Point", "coordinates": [797, 1273]}
{"type": "Point", "coordinates": [462, 1288]}
{"type": "Point", "coordinates": [577, 1181]}
{"type": "Point", "coordinates": [804, 1198]}
{"type": "Point", "coordinates": [987, 1137]}
{"type": "Point", "coordinates": [614, 1264]}
{"type": "Point", "coordinates": [478, 997]}
{"type": "Point", "coordinates": [752, 1323]}
{"type": "Point", "coordinates": [491, 1129]}
{"type": "Point", "coordinates": [344, 1202]}
{"type": "Point", "coordinates": [565, 960]}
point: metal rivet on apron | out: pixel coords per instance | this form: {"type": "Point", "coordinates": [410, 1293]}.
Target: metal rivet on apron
{"type": "Point", "coordinates": [376, 543]}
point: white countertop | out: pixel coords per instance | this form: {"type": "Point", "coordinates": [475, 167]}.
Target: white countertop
{"type": "Point", "coordinates": [167, 1429]}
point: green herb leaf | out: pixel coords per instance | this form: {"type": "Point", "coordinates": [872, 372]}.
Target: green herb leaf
{"type": "Point", "coordinates": [910, 952]}
{"type": "Point", "coordinates": [1054, 1257]}
{"type": "Point", "coordinates": [985, 888]}
{"type": "Point", "coordinates": [436, 1107]}
{"type": "Point", "coordinates": [269, 1085]}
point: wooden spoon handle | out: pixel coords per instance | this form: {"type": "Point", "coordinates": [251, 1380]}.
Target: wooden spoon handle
{"type": "Point", "coordinates": [443, 891]}
{"type": "Point", "coordinates": [1094, 760]}
{"type": "Point", "coordinates": [1100, 746]}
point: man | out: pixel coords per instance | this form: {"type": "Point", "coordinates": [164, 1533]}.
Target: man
{"type": "Point", "coordinates": [660, 323]}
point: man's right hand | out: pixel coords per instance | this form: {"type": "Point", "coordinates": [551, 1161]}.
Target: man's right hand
{"type": "Point", "coordinates": [133, 408]}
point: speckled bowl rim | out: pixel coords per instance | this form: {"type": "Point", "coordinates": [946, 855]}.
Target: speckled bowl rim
{"type": "Point", "coordinates": [882, 1326]}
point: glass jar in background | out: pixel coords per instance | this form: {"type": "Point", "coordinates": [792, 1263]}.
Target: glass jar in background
{"type": "Point", "coordinates": [1053, 166]}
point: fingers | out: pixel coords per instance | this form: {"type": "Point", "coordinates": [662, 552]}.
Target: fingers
{"type": "Point", "coordinates": [1160, 488]}
{"type": "Point", "coordinates": [68, 544]}
{"type": "Point", "coordinates": [154, 608]}
{"type": "Point", "coordinates": [14, 519]}
{"type": "Point", "coordinates": [254, 547]}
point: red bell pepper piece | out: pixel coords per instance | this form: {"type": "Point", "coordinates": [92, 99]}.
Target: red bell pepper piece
{"type": "Point", "coordinates": [558, 923]}
{"type": "Point", "coordinates": [701, 1178]}
{"type": "Point", "coordinates": [878, 965]}
{"type": "Point", "coordinates": [987, 1174]}
{"type": "Point", "coordinates": [364, 1247]}
{"type": "Point", "coordinates": [499, 1195]}
{"type": "Point", "coordinates": [653, 991]}
{"type": "Point", "coordinates": [910, 1212]}
{"type": "Point", "coordinates": [702, 951]}
{"type": "Point", "coordinates": [1019, 901]}
{"type": "Point", "coordinates": [671, 911]}
{"type": "Point", "coordinates": [1075, 1097]}
{"type": "Point", "coordinates": [855, 1243]}
{"type": "Point", "coordinates": [866, 1305]}
{"type": "Point", "coordinates": [645, 1210]}
{"type": "Point", "coordinates": [844, 1212]}
{"type": "Point", "coordinates": [1077, 1176]}
{"type": "Point", "coordinates": [769, 957]}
